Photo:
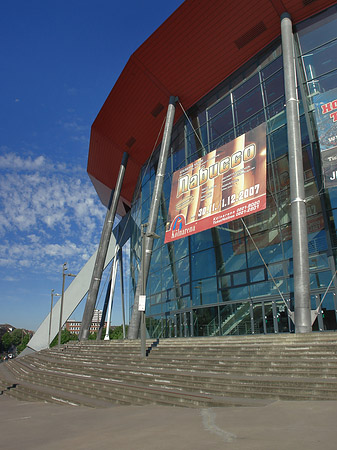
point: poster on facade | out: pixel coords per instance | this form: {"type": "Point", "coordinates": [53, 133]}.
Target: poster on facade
{"type": "Point", "coordinates": [326, 119]}
{"type": "Point", "coordinates": [226, 184]}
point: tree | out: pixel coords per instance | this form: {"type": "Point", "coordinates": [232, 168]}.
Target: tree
{"type": "Point", "coordinates": [66, 336]}
{"type": "Point", "coordinates": [117, 332]}
{"type": "Point", "coordinates": [17, 336]}
{"type": "Point", "coordinates": [23, 345]}
{"type": "Point", "coordinates": [7, 340]}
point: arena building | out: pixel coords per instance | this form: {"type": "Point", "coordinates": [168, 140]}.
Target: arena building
{"type": "Point", "coordinates": [223, 64]}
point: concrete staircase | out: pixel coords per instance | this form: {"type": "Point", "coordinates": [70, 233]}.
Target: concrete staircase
{"type": "Point", "coordinates": [193, 372]}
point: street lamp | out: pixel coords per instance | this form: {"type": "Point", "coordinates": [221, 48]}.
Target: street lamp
{"type": "Point", "coordinates": [142, 303]}
{"type": "Point", "coordinates": [64, 274]}
{"type": "Point", "coordinates": [51, 313]}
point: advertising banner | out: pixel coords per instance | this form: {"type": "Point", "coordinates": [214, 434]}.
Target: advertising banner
{"type": "Point", "coordinates": [226, 184]}
{"type": "Point", "coordinates": [326, 119]}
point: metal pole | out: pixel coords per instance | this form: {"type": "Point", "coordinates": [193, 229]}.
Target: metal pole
{"type": "Point", "coordinates": [122, 288]}
{"type": "Point", "coordinates": [152, 222]}
{"type": "Point", "coordinates": [112, 291]}
{"type": "Point", "coordinates": [61, 306]}
{"type": "Point", "coordinates": [50, 316]}
{"type": "Point", "coordinates": [51, 313]}
{"type": "Point", "coordinates": [105, 307]}
{"type": "Point", "coordinates": [143, 292]}
{"type": "Point", "coordinates": [297, 194]}
{"type": "Point", "coordinates": [101, 253]}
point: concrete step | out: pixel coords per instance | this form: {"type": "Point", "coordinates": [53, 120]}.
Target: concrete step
{"type": "Point", "coordinates": [193, 372]}
{"type": "Point", "coordinates": [218, 386]}
{"type": "Point", "coordinates": [126, 392]}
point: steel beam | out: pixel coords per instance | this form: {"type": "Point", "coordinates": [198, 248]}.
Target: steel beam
{"type": "Point", "coordinates": [153, 216]}
{"type": "Point", "coordinates": [297, 194]}
{"type": "Point", "coordinates": [101, 253]}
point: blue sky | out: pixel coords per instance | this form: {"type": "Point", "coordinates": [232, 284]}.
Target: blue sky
{"type": "Point", "coordinates": [59, 61]}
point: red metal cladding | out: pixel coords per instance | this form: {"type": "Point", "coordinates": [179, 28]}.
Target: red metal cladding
{"type": "Point", "coordinates": [197, 47]}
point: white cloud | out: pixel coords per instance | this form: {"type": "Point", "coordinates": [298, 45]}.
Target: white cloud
{"type": "Point", "coordinates": [49, 213]}
{"type": "Point", "coordinates": [15, 162]}
{"type": "Point", "coordinates": [9, 278]}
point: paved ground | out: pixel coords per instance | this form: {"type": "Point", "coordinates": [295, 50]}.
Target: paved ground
{"type": "Point", "coordinates": [278, 426]}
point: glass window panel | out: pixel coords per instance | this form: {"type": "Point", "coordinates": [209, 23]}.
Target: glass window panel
{"type": "Point", "coordinates": [227, 137]}
{"type": "Point", "coordinates": [204, 291]}
{"type": "Point", "coordinates": [248, 105]}
{"type": "Point", "coordinates": [246, 86]}
{"type": "Point", "coordinates": [253, 122]}
{"type": "Point", "coordinates": [221, 123]}
{"type": "Point", "coordinates": [221, 105]}
{"type": "Point", "coordinates": [155, 309]}
{"type": "Point", "coordinates": [276, 270]}
{"type": "Point", "coordinates": [274, 87]}
{"type": "Point", "coordinates": [186, 289]}
{"type": "Point", "coordinates": [167, 278]}
{"type": "Point", "coordinates": [268, 288]}
{"type": "Point", "coordinates": [171, 306]}
{"type": "Point", "coordinates": [167, 189]}
{"type": "Point", "coordinates": [318, 29]}
{"type": "Point", "coordinates": [316, 241]}
{"type": "Point", "coordinates": [156, 261]}
{"type": "Point", "coordinates": [203, 264]}
{"type": "Point", "coordinates": [331, 196]}
{"type": "Point", "coordinates": [276, 115]}
{"type": "Point", "coordinates": [180, 247]}
{"type": "Point", "coordinates": [225, 281]}
{"type": "Point", "coordinates": [145, 209]}
{"type": "Point", "coordinates": [234, 256]}
{"type": "Point", "coordinates": [239, 278]}
{"type": "Point", "coordinates": [240, 293]}
{"type": "Point", "coordinates": [273, 67]}
{"type": "Point", "coordinates": [183, 270]}
{"type": "Point", "coordinates": [328, 310]}
{"type": "Point", "coordinates": [270, 253]}
{"type": "Point", "coordinates": [257, 274]}
{"type": "Point", "coordinates": [319, 261]}
{"type": "Point", "coordinates": [201, 241]}
{"type": "Point", "coordinates": [146, 190]}
{"type": "Point", "coordinates": [230, 314]}
{"type": "Point", "coordinates": [322, 84]}
{"type": "Point", "coordinates": [203, 321]}
{"type": "Point", "coordinates": [154, 282]}
{"type": "Point", "coordinates": [277, 143]}
{"type": "Point", "coordinates": [324, 278]}
{"type": "Point", "coordinates": [224, 233]}
{"type": "Point", "coordinates": [321, 60]}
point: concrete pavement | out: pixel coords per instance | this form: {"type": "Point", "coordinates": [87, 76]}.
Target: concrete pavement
{"type": "Point", "coordinates": [278, 426]}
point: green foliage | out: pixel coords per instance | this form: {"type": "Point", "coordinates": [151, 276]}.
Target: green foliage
{"type": "Point", "coordinates": [93, 336]}
{"type": "Point", "coordinates": [18, 338]}
{"type": "Point", "coordinates": [117, 333]}
{"type": "Point", "coordinates": [66, 336]}
{"type": "Point", "coordinates": [7, 340]}
{"type": "Point", "coordinates": [23, 344]}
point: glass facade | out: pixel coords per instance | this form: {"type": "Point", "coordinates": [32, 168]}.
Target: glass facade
{"type": "Point", "coordinates": [217, 282]}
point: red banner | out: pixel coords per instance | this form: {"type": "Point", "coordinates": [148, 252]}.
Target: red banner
{"type": "Point", "coordinates": [226, 184]}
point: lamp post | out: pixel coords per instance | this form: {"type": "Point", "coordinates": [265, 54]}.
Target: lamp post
{"type": "Point", "coordinates": [64, 274]}
{"type": "Point", "coordinates": [143, 290]}
{"type": "Point", "coordinates": [51, 313]}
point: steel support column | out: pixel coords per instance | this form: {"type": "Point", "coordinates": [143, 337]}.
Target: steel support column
{"type": "Point", "coordinates": [297, 194]}
{"type": "Point", "coordinates": [121, 273]}
{"type": "Point", "coordinates": [105, 308]}
{"type": "Point", "coordinates": [101, 253]}
{"type": "Point", "coordinates": [152, 222]}
{"type": "Point", "coordinates": [112, 291]}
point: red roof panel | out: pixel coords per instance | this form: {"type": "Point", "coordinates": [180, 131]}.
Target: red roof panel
{"type": "Point", "coordinates": [187, 56]}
